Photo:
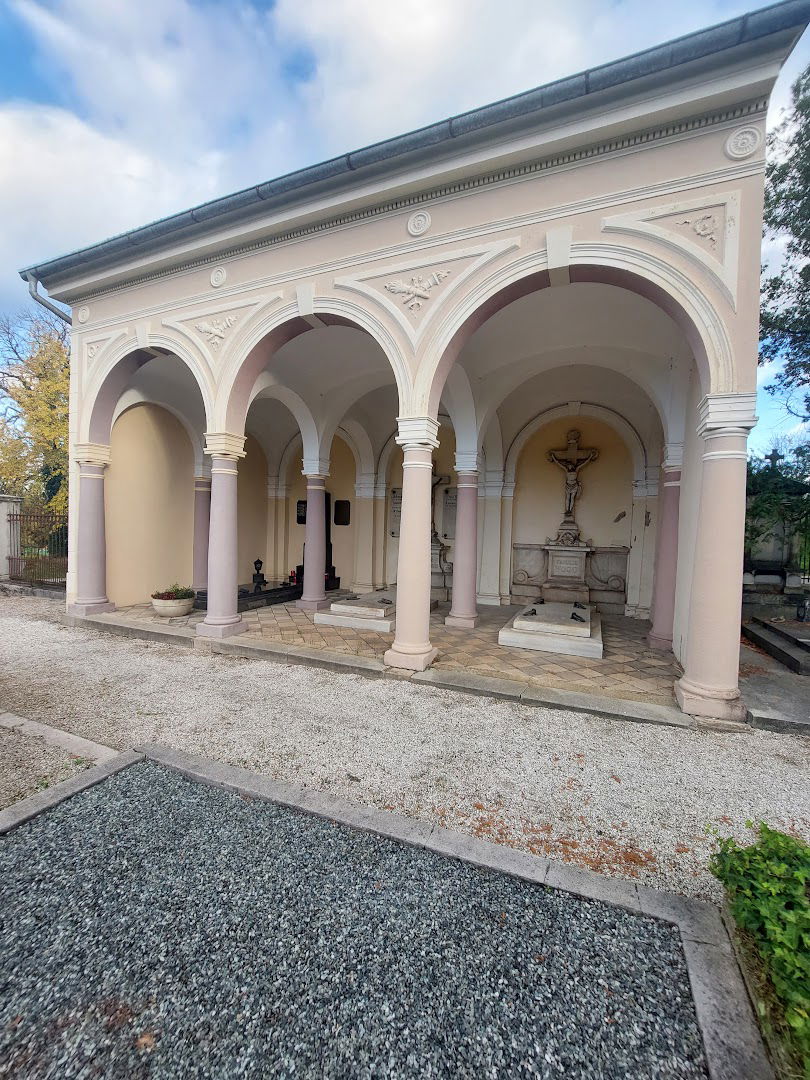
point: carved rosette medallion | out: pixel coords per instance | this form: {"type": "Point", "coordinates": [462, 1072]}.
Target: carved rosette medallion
{"type": "Point", "coordinates": [214, 330]}
{"type": "Point", "coordinates": [218, 276]}
{"type": "Point", "coordinates": [417, 289]}
{"type": "Point", "coordinates": [743, 142]}
{"type": "Point", "coordinates": [83, 314]}
{"type": "Point", "coordinates": [419, 223]}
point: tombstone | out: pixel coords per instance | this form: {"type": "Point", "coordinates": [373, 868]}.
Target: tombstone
{"type": "Point", "coordinates": [574, 629]}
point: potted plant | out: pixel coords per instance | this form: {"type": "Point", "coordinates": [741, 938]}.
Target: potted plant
{"type": "Point", "coordinates": [172, 602]}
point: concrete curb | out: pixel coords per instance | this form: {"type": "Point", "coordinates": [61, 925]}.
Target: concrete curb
{"type": "Point", "coordinates": [638, 712]}
{"type": "Point", "coordinates": [74, 744]}
{"type": "Point", "coordinates": [731, 1039]}
{"type": "Point", "coordinates": [29, 808]}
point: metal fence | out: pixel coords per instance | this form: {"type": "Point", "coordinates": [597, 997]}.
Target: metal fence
{"type": "Point", "coordinates": [804, 548]}
{"type": "Point", "coordinates": [38, 547]}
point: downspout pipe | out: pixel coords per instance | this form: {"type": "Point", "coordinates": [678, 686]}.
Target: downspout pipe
{"type": "Point", "coordinates": [33, 288]}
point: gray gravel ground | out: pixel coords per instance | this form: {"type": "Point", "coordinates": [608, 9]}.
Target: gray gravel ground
{"type": "Point", "coordinates": [156, 927]}
{"type": "Point", "coordinates": [28, 764]}
{"type": "Point", "coordinates": [627, 799]}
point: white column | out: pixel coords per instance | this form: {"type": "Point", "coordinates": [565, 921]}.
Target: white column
{"type": "Point", "coordinates": [202, 528]}
{"type": "Point", "coordinates": [463, 610]}
{"type": "Point", "coordinates": [222, 618]}
{"type": "Point", "coordinates": [9, 504]}
{"type": "Point", "coordinates": [709, 686]}
{"type": "Point", "coordinates": [411, 648]}
{"type": "Point", "coordinates": [363, 522]}
{"type": "Point", "coordinates": [275, 567]}
{"type": "Point", "coordinates": [637, 604]}
{"type": "Point", "coordinates": [380, 534]}
{"type": "Point", "coordinates": [314, 595]}
{"type": "Point", "coordinates": [507, 505]}
{"type": "Point", "coordinates": [666, 555]}
{"type": "Point", "coordinates": [489, 494]}
{"type": "Point", "coordinates": [91, 561]}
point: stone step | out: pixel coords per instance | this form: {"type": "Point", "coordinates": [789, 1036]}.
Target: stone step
{"type": "Point", "coordinates": [778, 647]}
{"type": "Point", "coordinates": [800, 639]}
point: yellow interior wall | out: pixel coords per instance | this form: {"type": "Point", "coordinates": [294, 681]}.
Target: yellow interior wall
{"type": "Point", "coordinates": [607, 486]}
{"type": "Point", "coordinates": [340, 485]}
{"type": "Point", "coordinates": [149, 505]}
{"type": "Point", "coordinates": [252, 514]}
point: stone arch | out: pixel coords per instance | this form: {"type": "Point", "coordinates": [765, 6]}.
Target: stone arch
{"type": "Point", "coordinates": [622, 427]}
{"type": "Point", "coordinates": [111, 378]}
{"type": "Point", "coordinates": [458, 399]}
{"type": "Point", "coordinates": [250, 351]}
{"type": "Point", "coordinates": [132, 397]}
{"type": "Point", "coordinates": [266, 387]}
{"type": "Point", "coordinates": [639, 271]}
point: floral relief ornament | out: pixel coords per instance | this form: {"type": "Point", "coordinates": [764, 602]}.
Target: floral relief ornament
{"type": "Point", "coordinates": [743, 142]}
{"type": "Point", "coordinates": [215, 329]}
{"type": "Point", "coordinates": [703, 225]}
{"type": "Point", "coordinates": [417, 290]}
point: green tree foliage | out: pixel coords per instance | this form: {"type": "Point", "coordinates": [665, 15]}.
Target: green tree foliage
{"type": "Point", "coordinates": [785, 313]}
{"type": "Point", "coordinates": [778, 501]}
{"type": "Point", "coordinates": [34, 394]}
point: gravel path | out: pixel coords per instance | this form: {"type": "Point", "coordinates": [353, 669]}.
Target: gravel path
{"type": "Point", "coordinates": [29, 764]}
{"type": "Point", "coordinates": [169, 929]}
{"type": "Point", "coordinates": [627, 799]}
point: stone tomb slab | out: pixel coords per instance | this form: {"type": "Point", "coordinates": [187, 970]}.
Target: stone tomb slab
{"type": "Point", "coordinates": [531, 630]}
{"type": "Point", "coordinates": [371, 611]}
{"type": "Point", "coordinates": [572, 620]}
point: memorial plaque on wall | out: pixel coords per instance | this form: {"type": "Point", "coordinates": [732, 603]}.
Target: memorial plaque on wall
{"type": "Point", "coordinates": [301, 512]}
{"type": "Point", "coordinates": [395, 513]}
{"type": "Point", "coordinates": [450, 496]}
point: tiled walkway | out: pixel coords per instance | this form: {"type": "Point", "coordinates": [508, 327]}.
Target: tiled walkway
{"type": "Point", "coordinates": [629, 669]}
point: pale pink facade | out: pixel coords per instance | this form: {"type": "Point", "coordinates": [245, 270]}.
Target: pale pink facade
{"type": "Point", "coordinates": [449, 308]}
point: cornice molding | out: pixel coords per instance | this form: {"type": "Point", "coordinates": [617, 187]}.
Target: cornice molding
{"type": "Point", "coordinates": [661, 133]}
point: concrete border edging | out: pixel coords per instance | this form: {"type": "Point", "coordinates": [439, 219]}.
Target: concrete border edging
{"type": "Point", "coordinates": [731, 1039]}
{"type": "Point", "coordinates": [26, 809]}
{"type": "Point", "coordinates": [73, 744]}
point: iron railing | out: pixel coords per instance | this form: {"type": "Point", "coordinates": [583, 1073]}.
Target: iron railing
{"type": "Point", "coordinates": [38, 547]}
{"type": "Point", "coordinates": [803, 538]}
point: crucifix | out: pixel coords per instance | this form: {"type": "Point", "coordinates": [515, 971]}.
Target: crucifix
{"type": "Point", "coordinates": [572, 460]}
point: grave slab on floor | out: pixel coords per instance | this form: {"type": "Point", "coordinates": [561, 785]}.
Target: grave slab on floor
{"type": "Point", "coordinates": [371, 611]}
{"type": "Point", "coordinates": [573, 629]}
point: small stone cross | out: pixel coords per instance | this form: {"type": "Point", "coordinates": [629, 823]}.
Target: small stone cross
{"type": "Point", "coordinates": [774, 457]}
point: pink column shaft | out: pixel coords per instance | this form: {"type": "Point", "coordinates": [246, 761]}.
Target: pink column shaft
{"type": "Point", "coordinates": [464, 611]}
{"type": "Point", "coordinates": [709, 686]}
{"type": "Point", "coordinates": [91, 564]}
{"type": "Point", "coordinates": [412, 648]}
{"type": "Point", "coordinates": [222, 618]}
{"type": "Point", "coordinates": [202, 523]}
{"type": "Point", "coordinates": [660, 636]}
{"type": "Point", "coordinates": [314, 595]}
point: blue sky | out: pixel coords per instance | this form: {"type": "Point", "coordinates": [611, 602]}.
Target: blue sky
{"type": "Point", "coordinates": [116, 112]}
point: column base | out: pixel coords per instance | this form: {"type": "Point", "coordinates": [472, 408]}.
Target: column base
{"type": "Point", "coordinates": [313, 605]}
{"type": "Point", "coordinates": [223, 630]}
{"type": "Point", "coordinates": [657, 642]}
{"type": "Point", "coordinates": [90, 609]}
{"type": "Point", "coordinates": [706, 701]}
{"type": "Point", "coordinates": [467, 622]}
{"type": "Point", "coordinates": [410, 661]}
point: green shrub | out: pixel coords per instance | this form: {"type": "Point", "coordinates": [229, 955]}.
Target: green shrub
{"type": "Point", "coordinates": [767, 886]}
{"type": "Point", "coordinates": [174, 592]}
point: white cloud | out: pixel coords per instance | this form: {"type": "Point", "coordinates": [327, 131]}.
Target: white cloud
{"type": "Point", "coordinates": [165, 103]}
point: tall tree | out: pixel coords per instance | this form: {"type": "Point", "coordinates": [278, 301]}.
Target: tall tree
{"type": "Point", "coordinates": [34, 394]}
{"type": "Point", "coordinates": [785, 314]}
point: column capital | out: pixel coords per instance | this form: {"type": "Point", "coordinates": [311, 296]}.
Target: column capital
{"type": "Point", "coordinates": [276, 489]}
{"type": "Point", "coordinates": [731, 414]}
{"type": "Point", "coordinates": [417, 432]}
{"type": "Point", "coordinates": [673, 455]}
{"type": "Point", "coordinates": [315, 468]}
{"type": "Point", "coordinates": [366, 486]}
{"type": "Point", "coordinates": [466, 461]}
{"type": "Point", "coordinates": [202, 481]}
{"type": "Point", "coordinates": [224, 444]}
{"type": "Point", "coordinates": [91, 454]}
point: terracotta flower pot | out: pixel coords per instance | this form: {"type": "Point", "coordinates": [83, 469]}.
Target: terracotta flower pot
{"type": "Point", "coordinates": [172, 609]}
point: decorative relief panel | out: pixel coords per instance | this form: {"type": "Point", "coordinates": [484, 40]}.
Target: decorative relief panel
{"type": "Point", "coordinates": [415, 291]}
{"type": "Point", "coordinates": [214, 330]}
{"type": "Point", "coordinates": [705, 230]}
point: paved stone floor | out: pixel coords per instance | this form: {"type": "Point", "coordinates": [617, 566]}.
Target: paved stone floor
{"type": "Point", "coordinates": [628, 669]}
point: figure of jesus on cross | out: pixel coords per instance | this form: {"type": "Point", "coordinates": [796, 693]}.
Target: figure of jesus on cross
{"type": "Point", "coordinates": [572, 460]}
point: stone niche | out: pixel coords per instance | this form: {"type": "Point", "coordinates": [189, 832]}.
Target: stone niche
{"type": "Point", "coordinates": [605, 574]}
